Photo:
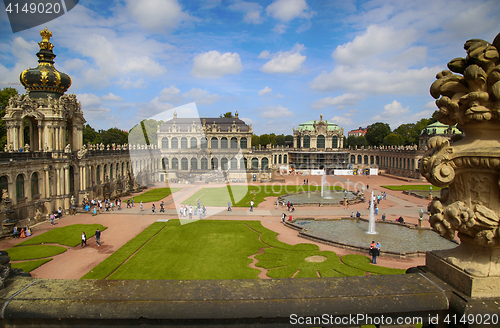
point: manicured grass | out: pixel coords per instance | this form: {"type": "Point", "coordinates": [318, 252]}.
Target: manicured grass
{"type": "Point", "coordinates": [69, 235]}
{"type": "Point", "coordinates": [363, 263]}
{"type": "Point", "coordinates": [411, 187]}
{"type": "Point", "coordinates": [199, 250]}
{"type": "Point", "coordinates": [34, 252]}
{"type": "Point", "coordinates": [210, 249]}
{"type": "Point", "coordinates": [240, 196]}
{"type": "Point", "coordinates": [105, 268]}
{"type": "Point", "coordinates": [154, 195]}
{"type": "Point", "coordinates": [29, 266]}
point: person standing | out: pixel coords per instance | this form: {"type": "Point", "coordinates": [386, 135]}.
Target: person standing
{"type": "Point", "coordinates": [141, 206]}
{"type": "Point", "coordinates": [98, 237]}
{"type": "Point", "coordinates": [153, 208]}
{"type": "Point", "coordinates": [283, 217]}
{"type": "Point", "coordinates": [421, 217]}
{"type": "Point", "coordinates": [383, 217]}
{"type": "Point", "coordinates": [373, 253]}
{"type": "Point", "coordinates": [132, 201]}
{"type": "Point", "coordinates": [162, 208]}
{"type": "Point", "coordinates": [229, 206]}
{"type": "Point", "coordinates": [251, 206]}
{"type": "Point", "coordinates": [52, 217]}
{"type": "Point", "coordinates": [84, 240]}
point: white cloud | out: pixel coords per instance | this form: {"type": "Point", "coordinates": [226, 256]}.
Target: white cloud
{"type": "Point", "coordinates": [92, 106]}
{"type": "Point", "coordinates": [111, 97]}
{"type": "Point", "coordinates": [264, 91]}
{"type": "Point", "coordinates": [341, 120]}
{"type": "Point", "coordinates": [265, 54]}
{"type": "Point", "coordinates": [280, 28]}
{"type": "Point", "coordinates": [252, 11]}
{"type": "Point", "coordinates": [213, 64]}
{"type": "Point", "coordinates": [393, 113]}
{"type": "Point", "coordinates": [170, 94]}
{"type": "Point", "coordinates": [279, 95]}
{"type": "Point", "coordinates": [287, 10]}
{"type": "Point", "coordinates": [130, 84]}
{"type": "Point", "coordinates": [157, 14]}
{"type": "Point", "coordinates": [285, 61]}
{"type": "Point", "coordinates": [272, 112]}
{"type": "Point", "coordinates": [339, 102]}
{"type": "Point", "coordinates": [201, 96]}
{"type": "Point", "coordinates": [430, 105]}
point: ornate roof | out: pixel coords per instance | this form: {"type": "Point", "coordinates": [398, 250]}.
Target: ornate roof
{"type": "Point", "coordinates": [440, 128]}
{"type": "Point", "coordinates": [45, 79]}
{"type": "Point", "coordinates": [310, 125]}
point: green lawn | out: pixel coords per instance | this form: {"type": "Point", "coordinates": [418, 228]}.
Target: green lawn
{"type": "Point", "coordinates": [363, 263]}
{"type": "Point", "coordinates": [20, 253]}
{"type": "Point", "coordinates": [154, 195]}
{"type": "Point", "coordinates": [69, 236]}
{"type": "Point", "coordinates": [411, 187]}
{"type": "Point", "coordinates": [240, 196]}
{"type": "Point", "coordinates": [28, 266]}
{"type": "Point", "coordinates": [218, 250]}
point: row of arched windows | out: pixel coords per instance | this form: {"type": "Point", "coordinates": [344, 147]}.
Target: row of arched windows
{"type": "Point", "coordinates": [184, 164]}
{"type": "Point", "coordinates": [320, 142]}
{"type": "Point", "coordinates": [281, 159]}
{"type": "Point", "coordinates": [215, 143]}
{"type": "Point", "coordinates": [20, 190]}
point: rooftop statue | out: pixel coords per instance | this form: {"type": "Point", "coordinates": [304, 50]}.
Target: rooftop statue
{"type": "Point", "coordinates": [468, 170]}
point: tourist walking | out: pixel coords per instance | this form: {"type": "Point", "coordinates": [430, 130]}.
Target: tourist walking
{"type": "Point", "coordinates": [283, 216]}
{"type": "Point", "coordinates": [229, 206]}
{"type": "Point", "coordinates": [98, 237]}
{"type": "Point", "coordinates": [141, 206]}
{"type": "Point", "coordinates": [52, 217]}
{"type": "Point", "coordinates": [251, 206]}
{"type": "Point", "coordinates": [132, 201]}
{"type": "Point", "coordinates": [84, 240]}
{"type": "Point", "coordinates": [162, 207]}
{"type": "Point", "coordinates": [153, 208]}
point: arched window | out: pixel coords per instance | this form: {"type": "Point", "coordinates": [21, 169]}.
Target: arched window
{"type": "Point", "coordinates": [335, 142]}
{"type": "Point", "coordinates": [194, 163]}
{"type": "Point", "coordinates": [360, 159]}
{"type": "Point", "coordinates": [204, 163]}
{"type": "Point", "coordinates": [174, 143]}
{"type": "Point", "coordinates": [320, 141]}
{"type": "Point", "coordinates": [365, 159]}
{"type": "Point", "coordinates": [353, 159]}
{"type": "Point", "coordinates": [194, 143]}
{"type": "Point", "coordinates": [223, 163]}
{"type": "Point", "coordinates": [203, 143]}
{"type": "Point", "coordinates": [234, 163]}
{"type": "Point", "coordinates": [285, 159]}
{"type": "Point", "coordinates": [184, 143]}
{"type": "Point", "coordinates": [164, 143]}
{"type": "Point", "coordinates": [175, 164]}
{"type": "Point", "coordinates": [264, 164]}
{"type": "Point", "coordinates": [298, 142]}
{"type": "Point", "coordinates": [165, 163]}
{"type": "Point", "coordinates": [214, 143]}
{"type": "Point", "coordinates": [243, 143]}
{"type": "Point", "coordinates": [111, 171]}
{"type": "Point", "coordinates": [372, 159]}
{"type": "Point", "coordinates": [215, 163]}
{"type": "Point", "coordinates": [4, 185]}
{"type": "Point", "coordinates": [98, 173]}
{"type": "Point", "coordinates": [20, 186]}
{"type": "Point", "coordinates": [34, 184]}
{"type": "Point", "coordinates": [307, 142]}
{"type": "Point", "coordinates": [234, 142]}
{"type": "Point", "coordinates": [279, 159]}
{"type": "Point", "coordinates": [255, 163]}
{"type": "Point", "coordinates": [105, 172]}
{"type": "Point", "coordinates": [184, 163]}
{"type": "Point", "coordinates": [223, 143]}
{"type": "Point", "coordinates": [243, 164]}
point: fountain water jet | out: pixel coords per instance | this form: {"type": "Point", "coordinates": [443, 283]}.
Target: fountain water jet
{"type": "Point", "coordinates": [371, 225]}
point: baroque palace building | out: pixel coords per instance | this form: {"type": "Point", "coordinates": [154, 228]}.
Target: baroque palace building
{"type": "Point", "coordinates": [53, 168]}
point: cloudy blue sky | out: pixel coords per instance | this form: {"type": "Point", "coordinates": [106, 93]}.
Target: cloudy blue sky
{"type": "Point", "coordinates": [278, 63]}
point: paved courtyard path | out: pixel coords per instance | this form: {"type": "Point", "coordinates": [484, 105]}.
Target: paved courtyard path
{"type": "Point", "coordinates": [124, 225]}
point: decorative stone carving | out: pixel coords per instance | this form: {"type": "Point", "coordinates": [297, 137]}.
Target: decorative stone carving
{"type": "Point", "coordinates": [81, 152]}
{"type": "Point", "coordinates": [469, 169]}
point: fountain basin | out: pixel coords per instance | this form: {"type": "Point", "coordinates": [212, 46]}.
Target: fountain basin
{"type": "Point", "coordinates": [397, 240]}
{"type": "Point", "coordinates": [308, 198]}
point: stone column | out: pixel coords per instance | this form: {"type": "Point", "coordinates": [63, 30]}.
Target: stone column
{"type": "Point", "coordinates": [47, 181]}
{"type": "Point", "coordinates": [66, 188]}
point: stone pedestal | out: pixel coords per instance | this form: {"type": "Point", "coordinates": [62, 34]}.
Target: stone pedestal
{"type": "Point", "coordinates": [468, 284]}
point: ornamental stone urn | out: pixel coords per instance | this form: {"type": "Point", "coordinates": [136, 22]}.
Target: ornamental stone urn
{"type": "Point", "coordinates": [468, 170]}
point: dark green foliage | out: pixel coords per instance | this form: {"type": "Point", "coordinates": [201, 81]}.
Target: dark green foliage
{"type": "Point", "coordinates": [393, 140]}
{"type": "Point", "coordinates": [5, 94]}
{"type": "Point", "coordinates": [90, 135]}
{"type": "Point", "coordinates": [376, 133]}
{"type": "Point", "coordinates": [113, 135]}
{"type": "Point", "coordinates": [226, 115]}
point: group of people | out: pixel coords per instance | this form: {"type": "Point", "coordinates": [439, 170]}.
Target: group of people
{"type": "Point", "coordinates": [22, 232]}
{"type": "Point", "coordinates": [190, 211]}
{"type": "Point", "coordinates": [153, 207]}
{"type": "Point", "coordinates": [283, 218]}
{"type": "Point", "coordinates": [96, 205]}
{"type": "Point", "coordinates": [374, 251]}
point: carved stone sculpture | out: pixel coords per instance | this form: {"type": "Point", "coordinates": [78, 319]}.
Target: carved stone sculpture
{"type": "Point", "coordinates": [469, 170]}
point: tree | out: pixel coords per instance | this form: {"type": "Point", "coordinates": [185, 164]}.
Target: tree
{"type": "Point", "coordinates": [376, 133]}
{"type": "Point", "coordinates": [90, 135]}
{"type": "Point", "coordinates": [408, 134]}
{"type": "Point", "coordinates": [5, 94]}
{"type": "Point", "coordinates": [272, 139]}
{"type": "Point", "coordinates": [264, 140]}
{"type": "Point", "coordinates": [113, 135]}
{"type": "Point", "coordinates": [255, 140]}
{"type": "Point", "coordinates": [393, 139]}
{"type": "Point", "coordinates": [144, 133]}
{"type": "Point", "coordinates": [280, 140]}
{"type": "Point", "coordinates": [226, 115]}
{"type": "Point", "coordinates": [351, 141]}
{"type": "Point", "coordinates": [361, 141]}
